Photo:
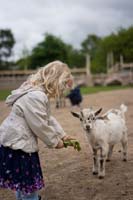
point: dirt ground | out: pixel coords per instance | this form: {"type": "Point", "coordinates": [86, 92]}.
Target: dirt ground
{"type": "Point", "coordinates": [68, 173]}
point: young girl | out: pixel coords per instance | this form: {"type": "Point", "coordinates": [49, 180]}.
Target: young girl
{"type": "Point", "coordinates": [29, 120]}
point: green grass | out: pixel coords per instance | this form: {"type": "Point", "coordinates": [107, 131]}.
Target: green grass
{"type": "Point", "coordinates": [84, 90]}
{"type": "Point", "coordinates": [4, 94]}
{"type": "Point", "coordinates": [91, 90]}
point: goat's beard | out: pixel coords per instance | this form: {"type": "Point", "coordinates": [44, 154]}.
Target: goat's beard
{"type": "Point", "coordinates": [88, 130]}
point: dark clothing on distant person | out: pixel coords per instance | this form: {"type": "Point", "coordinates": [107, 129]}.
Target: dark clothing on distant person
{"type": "Point", "coordinates": [75, 96]}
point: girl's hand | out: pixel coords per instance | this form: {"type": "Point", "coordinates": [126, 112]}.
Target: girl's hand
{"type": "Point", "coordinates": [67, 137]}
{"type": "Point", "coordinates": [60, 145]}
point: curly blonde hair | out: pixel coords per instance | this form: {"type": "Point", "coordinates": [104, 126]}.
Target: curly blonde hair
{"type": "Point", "coordinates": [52, 77]}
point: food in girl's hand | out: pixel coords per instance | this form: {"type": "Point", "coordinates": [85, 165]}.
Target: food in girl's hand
{"type": "Point", "coordinates": [73, 143]}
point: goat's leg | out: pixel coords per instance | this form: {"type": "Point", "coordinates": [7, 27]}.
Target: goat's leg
{"type": "Point", "coordinates": [64, 102]}
{"type": "Point", "coordinates": [57, 103]}
{"type": "Point", "coordinates": [125, 146]}
{"type": "Point", "coordinates": [95, 162]}
{"type": "Point", "coordinates": [101, 162]}
{"type": "Point", "coordinates": [110, 153]}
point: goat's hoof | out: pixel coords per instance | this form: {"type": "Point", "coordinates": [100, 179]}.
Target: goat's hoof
{"type": "Point", "coordinates": [95, 173]}
{"type": "Point", "coordinates": [108, 160]}
{"type": "Point", "coordinates": [100, 177]}
{"type": "Point", "coordinates": [125, 159]}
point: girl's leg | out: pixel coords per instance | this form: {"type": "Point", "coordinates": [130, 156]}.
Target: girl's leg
{"type": "Point", "coordinates": [32, 196]}
{"type": "Point", "coordinates": [18, 195]}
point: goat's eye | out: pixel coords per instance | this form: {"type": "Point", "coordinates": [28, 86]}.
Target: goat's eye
{"type": "Point", "coordinates": [93, 118]}
{"type": "Point", "coordinates": [81, 119]}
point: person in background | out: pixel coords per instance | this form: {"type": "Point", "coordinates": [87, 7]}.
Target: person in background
{"type": "Point", "coordinates": [29, 120]}
{"type": "Point", "coordinates": [75, 96]}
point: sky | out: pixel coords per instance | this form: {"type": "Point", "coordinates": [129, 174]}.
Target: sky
{"type": "Point", "coordinates": [72, 20]}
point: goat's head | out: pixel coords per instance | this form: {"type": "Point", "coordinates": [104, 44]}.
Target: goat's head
{"type": "Point", "coordinates": [87, 117]}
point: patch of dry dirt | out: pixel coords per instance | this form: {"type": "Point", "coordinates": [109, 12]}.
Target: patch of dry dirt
{"type": "Point", "coordinates": [68, 173]}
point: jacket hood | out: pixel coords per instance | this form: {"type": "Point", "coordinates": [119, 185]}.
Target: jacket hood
{"type": "Point", "coordinates": [25, 88]}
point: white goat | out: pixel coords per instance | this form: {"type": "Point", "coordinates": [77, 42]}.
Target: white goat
{"type": "Point", "coordinates": [103, 133]}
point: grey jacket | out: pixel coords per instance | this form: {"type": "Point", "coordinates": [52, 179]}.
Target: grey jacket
{"type": "Point", "coordinates": [28, 120]}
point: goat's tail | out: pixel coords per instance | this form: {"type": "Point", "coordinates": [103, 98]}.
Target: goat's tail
{"type": "Point", "coordinates": [123, 109]}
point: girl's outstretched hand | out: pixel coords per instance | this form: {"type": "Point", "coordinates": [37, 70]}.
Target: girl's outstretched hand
{"type": "Point", "coordinates": [67, 137]}
{"type": "Point", "coordinates": [60, 145]}
{"type": "Point", "coordinates": [61, 142]}
{"type": "Point", "coordinates": [68, 141]}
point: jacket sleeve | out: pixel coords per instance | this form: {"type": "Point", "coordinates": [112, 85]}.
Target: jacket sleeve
{"type": "Point", "coordinates": [35, 113]}
{"type": "Point", "coordinates": [57, 127]}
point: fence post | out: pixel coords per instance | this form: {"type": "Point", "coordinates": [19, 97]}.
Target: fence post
{"type": "Point", "coordinates": [88, 71]}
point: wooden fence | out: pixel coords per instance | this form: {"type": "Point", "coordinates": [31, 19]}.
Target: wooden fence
{"type": "Point", "coordinates": [11, 79]}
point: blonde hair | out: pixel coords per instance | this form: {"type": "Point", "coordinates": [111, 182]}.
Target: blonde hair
{"type": "Point", "coordinates": [52, 77]}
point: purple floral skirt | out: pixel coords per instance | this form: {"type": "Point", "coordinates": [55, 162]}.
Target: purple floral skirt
{"type": "Point", "coordinates": [20, 171]}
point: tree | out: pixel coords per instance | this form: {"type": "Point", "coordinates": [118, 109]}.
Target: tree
{"type": "Point", "coordinates": [119, 43]}
{"type": "Point", "coordinates": [124, 44]}
{"type": "Point", "coordinates": [24, 60]}
{"type": "Point", "coordinates": [7, 42]}
{"type": "Point", "coordinates": [51, 48]}
{"type": "Point", "coordinates": [54, 48]}
{"type": "Point", "coordinates": [90, 44]}
{"type": "Point", "coordinates": [76, 58]}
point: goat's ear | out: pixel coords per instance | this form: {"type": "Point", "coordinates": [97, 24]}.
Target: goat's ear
{"type": "Point", "coordinates": [75, 114]}
{"type": "Point", "coordinates": [98, 111]}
